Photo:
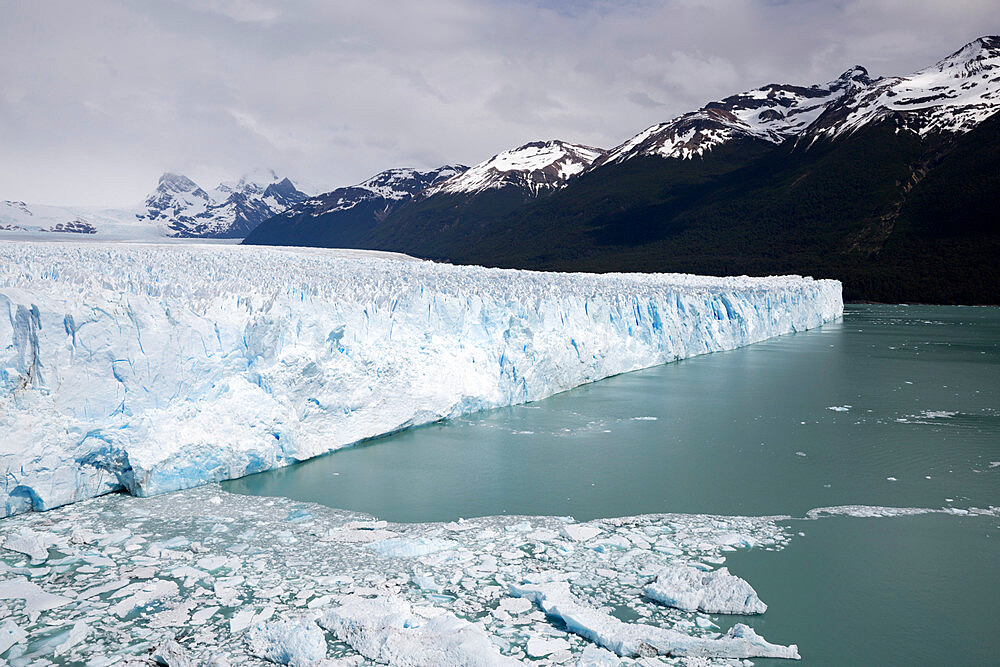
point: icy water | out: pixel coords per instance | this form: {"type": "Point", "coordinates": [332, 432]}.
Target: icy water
{"type": "Point", "coordinates": [896, 406]}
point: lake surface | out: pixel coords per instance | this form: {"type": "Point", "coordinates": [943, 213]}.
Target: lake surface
{"type": "Point", "coordinates": [894, 405]}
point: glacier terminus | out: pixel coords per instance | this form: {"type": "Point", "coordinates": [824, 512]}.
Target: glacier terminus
{"type": "Point", "coordinates": [152, 368]}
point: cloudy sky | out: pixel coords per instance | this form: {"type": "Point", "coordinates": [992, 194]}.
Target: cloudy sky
{"type": "Point", "coordinates": [97, 98]}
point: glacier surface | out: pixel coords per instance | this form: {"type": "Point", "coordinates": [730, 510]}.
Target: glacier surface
{"type": "Point", "coordinates": [161, 367]}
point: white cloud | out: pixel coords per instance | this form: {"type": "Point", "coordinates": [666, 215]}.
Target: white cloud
{"type": "Point", "coordinates": [98, 98]}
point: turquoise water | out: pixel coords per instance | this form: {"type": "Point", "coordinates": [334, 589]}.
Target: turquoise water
{"type": "Point", "coordinates": [751, 432]}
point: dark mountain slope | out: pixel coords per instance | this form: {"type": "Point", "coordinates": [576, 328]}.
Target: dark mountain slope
{"type": "Point", "coordinates": [865, 208]}
{"type": "Point", "coordinates": [344, 217]}
{"type": "Point", "coordinates": [469, 203]}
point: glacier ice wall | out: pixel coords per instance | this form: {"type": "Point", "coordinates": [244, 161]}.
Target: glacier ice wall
{"type": "Point", "coordinates": [156, 368]}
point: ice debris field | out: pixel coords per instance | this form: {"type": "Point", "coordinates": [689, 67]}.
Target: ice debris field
{"type": "Point", "coordinates": [153, 368]}
{"type": "Point", "coordinates": [205, 577]}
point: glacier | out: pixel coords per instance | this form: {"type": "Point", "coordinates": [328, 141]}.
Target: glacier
{"type": "Point", "coordinates": [152, 368]}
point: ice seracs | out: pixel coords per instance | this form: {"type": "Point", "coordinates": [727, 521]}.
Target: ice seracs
{"type": "Point", "coordinates": [715, 591]}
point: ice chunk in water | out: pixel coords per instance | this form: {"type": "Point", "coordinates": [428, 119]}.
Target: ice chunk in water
{"type": "Point", "coordinates": [28, 542]}
{"type": "Point", "coordinates": [715, 592]}
{"type": "Point", "coordinates": [10, 634]}
{"type": "Point", "coordinates": [287, 642]}
{"type": "Point", "coordinates": [386, 630]}
{"type": "Point", "coordinates": [35, 599]}
{"type": "Point", "coordinates": [409, 547]}
{"type": "Point", "coordinates": [638, 639]}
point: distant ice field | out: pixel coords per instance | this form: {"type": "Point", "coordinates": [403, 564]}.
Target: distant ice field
{"type": "Point", "coordinates": [156, 367]}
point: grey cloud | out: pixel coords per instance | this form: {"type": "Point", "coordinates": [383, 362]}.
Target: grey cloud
{"type": "Point", "coordinates": [97, 98]}
{"type": "Point", "coordinates": [642, 99]}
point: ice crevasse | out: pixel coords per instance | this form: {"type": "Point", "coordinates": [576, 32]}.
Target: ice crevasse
{"type": "Point", "coordinates": [155, 368]}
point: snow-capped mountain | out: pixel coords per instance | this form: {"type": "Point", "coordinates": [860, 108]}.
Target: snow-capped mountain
{"type": "Point", "coordinates": [390, 187]}
{"type": "Point", "coordinates": [953, 95]}
{"type": "Point", "coordinates": [895, 199]}
{"type": "Point", "coordinates": [772, 113]}
{"type": "Point", "coordinates": [176, 197]}
{"type": "Point", "coordinates": [345, 214]}
{"type": "Point", "coordinates": [231, 210]}
{"type": "Point", "coordinates": [178, 207]}
{"type": "Point", "coordinates": [535, 167]}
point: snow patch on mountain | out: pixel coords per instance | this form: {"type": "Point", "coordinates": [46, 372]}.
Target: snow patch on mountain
{"type": "Point", "coordinates": [534, 167]}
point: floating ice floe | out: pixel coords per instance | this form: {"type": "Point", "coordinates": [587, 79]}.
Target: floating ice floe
{"type": "Point", "coordinates": [29, 543]}
{"type": "Point", "coordinates": [640, 639]}
{"type": "Point", "coordinates": [386, 630]}
{"type": "Point", "coordinates": [169, 582]}
{"type": "Point", "coordinates": [36, 600]}
{"type": "Point", "coordinates": [714, 592]}
{"type": "Point", "coordinates": [297, 643]}
{"type": "Point", "coordinates": [154, 368]}
{"type": "Point", "coordinates": [876, 512]}
{"type": "Point", "coordinates": [10, 634]}
{"type": "Point", "coordinates": [407, 547]}
{"type": "Point", "coordinates": [128, 578]}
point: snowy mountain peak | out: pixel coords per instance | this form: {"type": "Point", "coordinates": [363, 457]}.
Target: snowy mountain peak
{"type": "Point", "coordinates": [980, 55]}
{"type": "Point", "coordinates": [249, 184]}
{"type": "Point", "coordinates": [345, 215]}
{"type": "Point", "coordinates": [856, 76]}
{"type": "Point", "coordinates": [231, 210]}
{"type": "Point", "coordinates": [175, 197]}
{"type": "Point", "coordinates": [953, 95]}
{"type": "Point", "coordinates": [770, 113]}
{"type": "Point", "coordinates": [386, 189]}
{"type": "Point", "coordinates": [282, 188]}
{"type": "Point", "coordinates": [403, 183]}
{"type": "Point", "coordinates": [533, 167]}
{"type": "Point", "coordinates": [171, 182]}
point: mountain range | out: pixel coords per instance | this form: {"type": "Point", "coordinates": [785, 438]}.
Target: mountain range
{"type": "Point", "coordinates": [885, 183]}
{"type": "Point", "coordinates": [177, 207]}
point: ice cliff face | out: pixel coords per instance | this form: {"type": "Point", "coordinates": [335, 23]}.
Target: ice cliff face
{"type": "Point", "coordinates": [156, 368]}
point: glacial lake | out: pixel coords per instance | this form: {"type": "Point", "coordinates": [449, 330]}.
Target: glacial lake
{"type": "Point", "coordinates": [892, 406]}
